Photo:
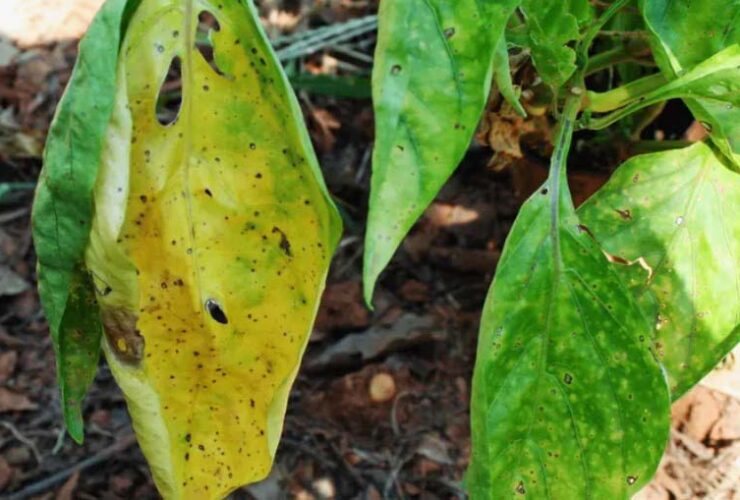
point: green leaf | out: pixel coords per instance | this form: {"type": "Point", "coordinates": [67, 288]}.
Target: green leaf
{"type": "Point", "coordinates": [568, 401]}
{"type": "Point", "coordinates": [210, 245]}
{"type": "Point", "coordinates": [62, 210]}
{"type": "Point", "coordinates": [431, 79]}
{"type": "Point", "coordinates": [671, 218]}
{"type": "Point", "coordinates": [78, 349]}
{"type": "Point", "coordinates": [352, 87]}
{"type": "Point", "coordinates": [687, 32]}
{"type": "Point", "coordinates": [502, 75]}
{"type": "Point", "coordinates": [551, 26]}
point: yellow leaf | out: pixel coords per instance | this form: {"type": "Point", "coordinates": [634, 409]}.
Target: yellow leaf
{"type": "Point", "coordinates": [210, 246]}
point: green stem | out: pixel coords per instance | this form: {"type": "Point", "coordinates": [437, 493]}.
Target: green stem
{"type": "Point", "coordinates": [594, 29]}
{"type": "Point", "coordinates": [602, 102]}
{"type": "Point", "coordinates": [645, 117]}
{"type": "Point", "coordinates": [617, 55]}
{"type": "Point", "coordinates": [557, 178]}
{"type": "Point", "coordinates": [623, 34]}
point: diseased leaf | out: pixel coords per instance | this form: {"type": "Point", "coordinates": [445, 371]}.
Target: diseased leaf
{"type": "Point", "coordinates": [671, 218]}
{"type": "Point", "coordinates": [62, 210]}
{"type": "Point", "coordinates": [687, 32]}
{"type": "Point", "coordinates": [78, 348]}
{"type": "Point", "coordinates": [568, 401]}
{"type": "Point", "coordinates": [210, 245]}
{"type": "Point", "coordinates": [551, 25]}
{"type": "Point", "coordinates": [431, 79]}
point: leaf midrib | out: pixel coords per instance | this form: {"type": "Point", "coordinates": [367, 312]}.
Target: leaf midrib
{"type": "Point", "coordinates": [188, 88]}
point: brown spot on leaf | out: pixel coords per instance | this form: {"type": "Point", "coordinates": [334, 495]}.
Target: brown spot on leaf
{"type": "Point", "coordinates": [624, 214]}
{"type": "Point", "coordinates": [123, 337]}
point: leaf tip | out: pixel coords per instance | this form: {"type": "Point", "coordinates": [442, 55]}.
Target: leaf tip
{"type": "Point", "coordinates": [74, 425]}
{"type": "Point", "coordinates": [368, 287]}
{"type": "Point", "coordinates": [519, 108]}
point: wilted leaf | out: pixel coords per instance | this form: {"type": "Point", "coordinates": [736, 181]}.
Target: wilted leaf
{"type": "Point", "coordinates": [567, 402]}
{"type": "Point", "coordinates": [210, 244]}
{"type": "Point", "coordinates": [687, 32]}
{"type": "Point", "coordinates": [62, 209]}
{"type": "Point", "coordinates": [671, 219]}
{"type": "Point", "coordinates": [431, 79]}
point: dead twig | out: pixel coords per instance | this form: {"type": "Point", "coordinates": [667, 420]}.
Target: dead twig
{"type": "Point", "coordinates": [23, 439]}
{"type": "Point", "coordinates": [51, 481]}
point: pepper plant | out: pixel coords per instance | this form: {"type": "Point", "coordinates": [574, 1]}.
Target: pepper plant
{"type": "Point", "coordinates": [599, 317]}
{"type": "Point", "coordinates": [192, 248]}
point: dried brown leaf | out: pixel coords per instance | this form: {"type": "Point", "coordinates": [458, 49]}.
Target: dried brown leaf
{"type": "Point", "coordinates": [12, 401]}
{"type": "Point", "coordinates": [8, 361]}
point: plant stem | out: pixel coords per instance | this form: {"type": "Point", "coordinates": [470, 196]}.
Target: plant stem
{"type": "Point", "coordinates": [644, 118]}
{"type": "Point", "coordinates": [594, 29]}
{"type": "Point", "coordinates": [602, 102]}
{"type": "Point", "coordinates": [566, 123]}
{"type": "Point", "coordinates": [623, 34]}
{"type": "Point", "coordinates": [617, 55]}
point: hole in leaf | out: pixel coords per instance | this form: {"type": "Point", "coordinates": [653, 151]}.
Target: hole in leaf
{"type": "Point", "coordinates": [169, 98]}
{"type": "Point", "coordinates": [207, 23]}
{"type": "Point", "coordinates": [214, 309]}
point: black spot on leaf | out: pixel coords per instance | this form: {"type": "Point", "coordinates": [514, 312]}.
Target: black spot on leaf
{"type": "Point", "coordinates": [284, 242]}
